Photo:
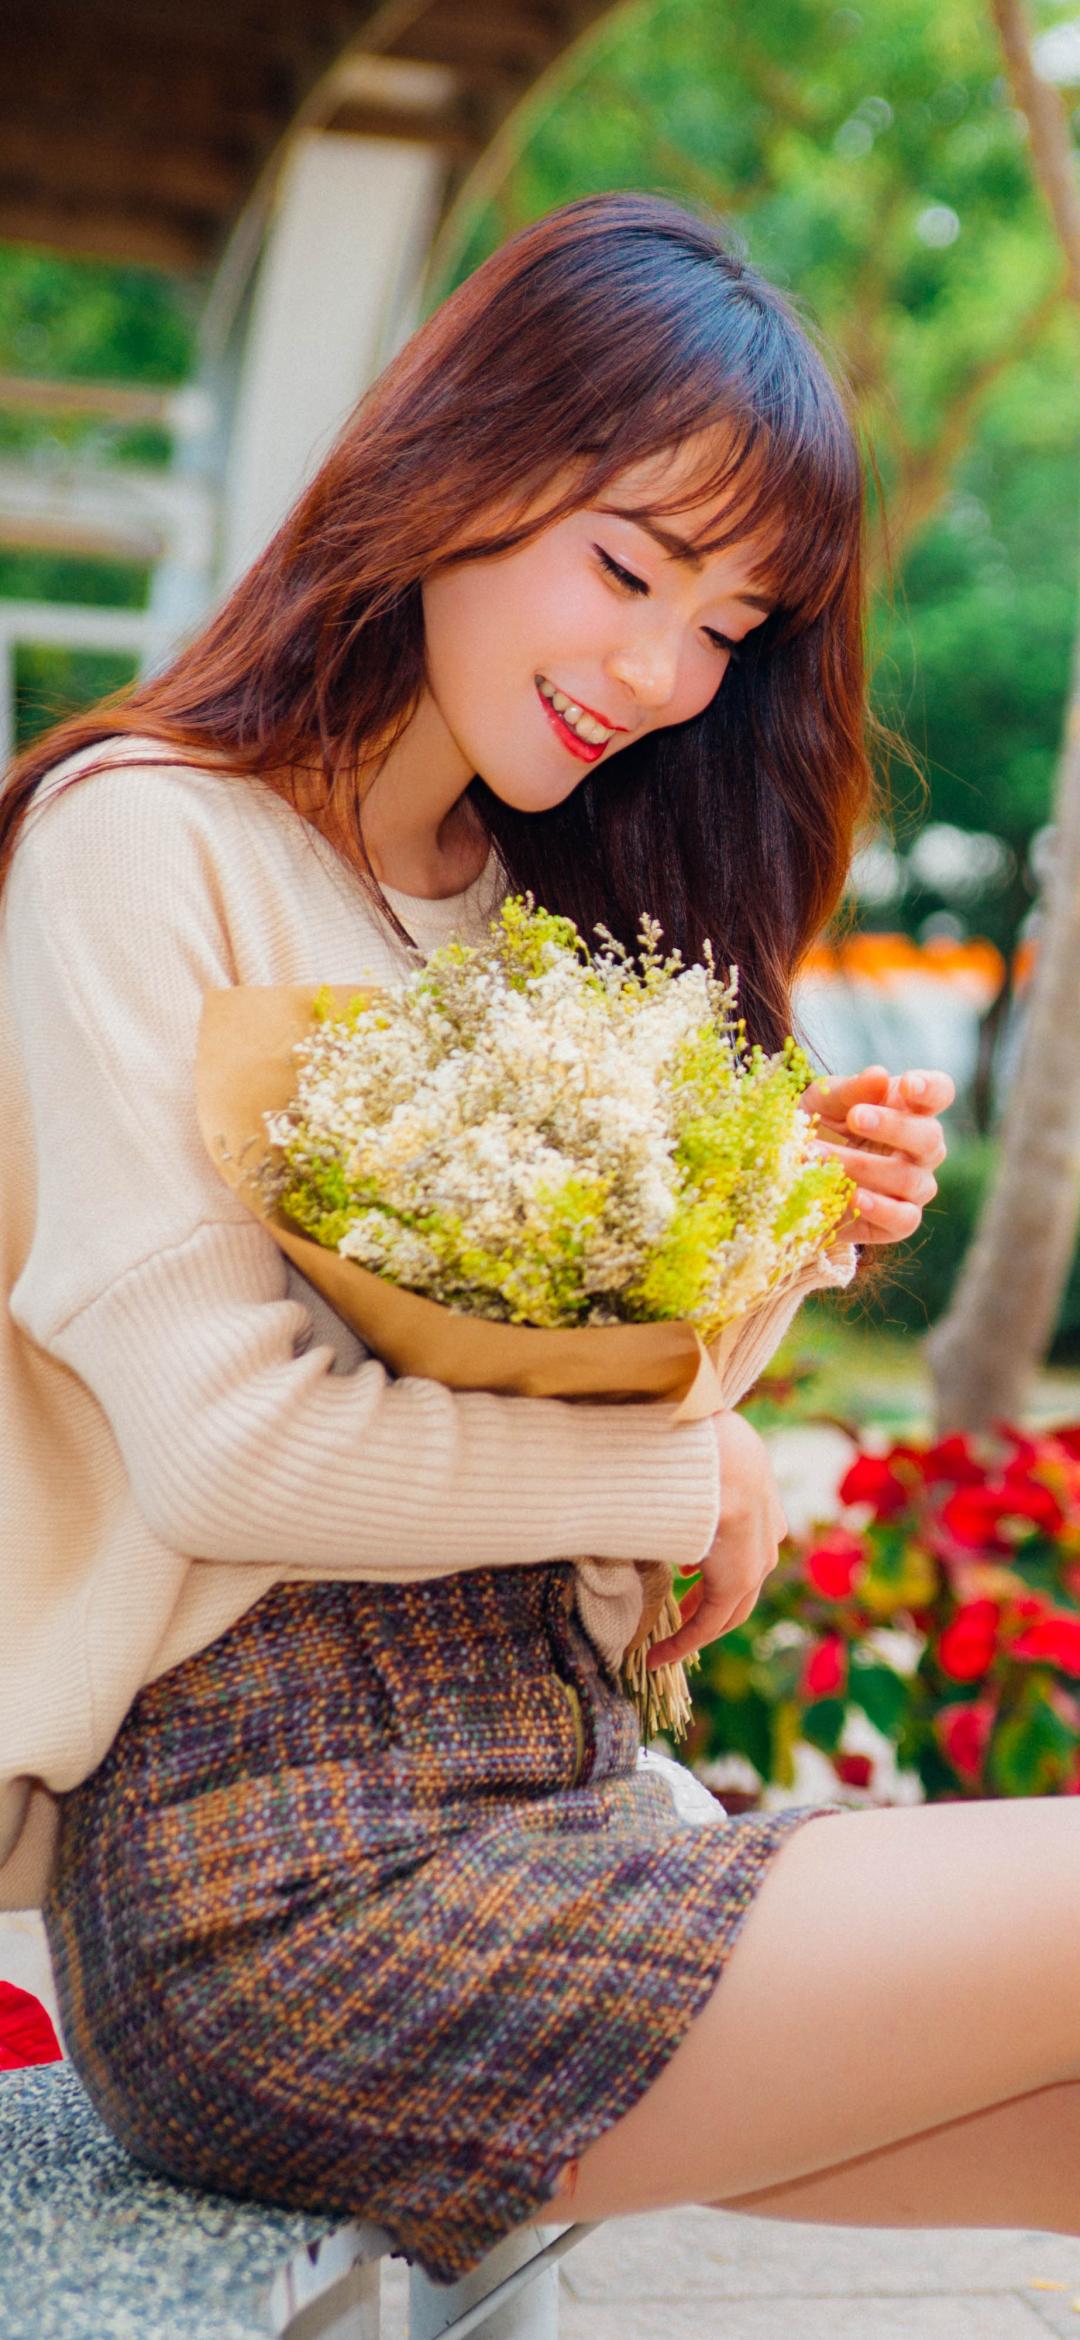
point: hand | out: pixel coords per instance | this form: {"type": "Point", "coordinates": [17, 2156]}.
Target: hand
{"type": "Point", "coordinates": [890, 1143]}
{"type": "Point", "coordinates": [743, 1550]}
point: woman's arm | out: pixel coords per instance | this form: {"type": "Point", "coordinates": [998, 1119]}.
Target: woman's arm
{"type": "Point", "coordinates": [152, 1282]}
{"type": "Point", "coordinates": [858, 1115]}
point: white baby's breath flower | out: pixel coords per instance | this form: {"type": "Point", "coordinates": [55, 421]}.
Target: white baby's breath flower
{"type": "Point", "coordinates": [522, 1132]}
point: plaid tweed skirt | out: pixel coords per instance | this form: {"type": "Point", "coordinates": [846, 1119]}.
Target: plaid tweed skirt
{"type": "Point", "coordinates": [369, 1912]}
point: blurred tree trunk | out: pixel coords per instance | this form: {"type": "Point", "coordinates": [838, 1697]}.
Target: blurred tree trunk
{"type": "Point", "coordinates": [998, 1328]}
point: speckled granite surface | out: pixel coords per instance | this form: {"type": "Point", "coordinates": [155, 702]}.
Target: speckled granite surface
{"type": "Point", "coordinates": [92, 2248]}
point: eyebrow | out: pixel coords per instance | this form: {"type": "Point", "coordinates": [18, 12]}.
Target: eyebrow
{"type": "Point", "coordinates": [680, 549]}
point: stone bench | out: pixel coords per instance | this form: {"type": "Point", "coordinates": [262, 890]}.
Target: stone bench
{"type": "Point", "coordinates": [92, 2247]}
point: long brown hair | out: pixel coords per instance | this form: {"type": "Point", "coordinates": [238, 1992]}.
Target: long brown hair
{"type": "Point", "coordinates": [613, 330]}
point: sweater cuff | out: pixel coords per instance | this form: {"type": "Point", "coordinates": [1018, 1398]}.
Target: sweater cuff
{"type": "Point", "coordinates": [760, 1334]}
{"type": "Point", "coordinates": [644, 1487]}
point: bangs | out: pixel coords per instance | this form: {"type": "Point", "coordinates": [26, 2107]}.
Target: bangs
{"type": "Point", "coordinates": [799, 494]}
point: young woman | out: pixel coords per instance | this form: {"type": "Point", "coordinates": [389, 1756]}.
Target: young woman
{"type": "Point", "coordinates": [355, 1895]}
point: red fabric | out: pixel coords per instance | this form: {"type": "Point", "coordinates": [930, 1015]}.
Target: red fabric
{"type": "Point", "coordinates": [26, 2033]}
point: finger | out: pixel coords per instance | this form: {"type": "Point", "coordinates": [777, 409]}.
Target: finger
{"type": "Point", "coordinates": [879, 1219]}
{"type": "Point", "coordinates": [885, 1173]}
{"type": "Point", "coordinates": [907, 1133]}
{"type": "Point", "coordinates": [708, 1622]}
{"type": "Point", "coordinates": [703, 1627]}
{"type": "Point", "coordinates": [703, 1616]}
{"type": "Point", "coordinates": [923, 1092]}
{"type": "Point", "coordinates": [745, 1609]}
{"type": "Point", "coordinates": [833, 1097]}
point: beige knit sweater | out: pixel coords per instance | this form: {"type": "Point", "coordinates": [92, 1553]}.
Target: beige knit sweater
{"type": "Point", "coordinates": [183, 1422]}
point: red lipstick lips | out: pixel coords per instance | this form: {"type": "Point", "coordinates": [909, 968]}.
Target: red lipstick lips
{"type": "Point", "coordinates": [586, 750]}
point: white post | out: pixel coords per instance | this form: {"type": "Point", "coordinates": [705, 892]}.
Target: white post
{"type": "Point", "coordinates": [7, 700]}
{"type": "Point", "coordinates": [335, 298]}
{"type": "Point", "coordinates": [533, 2314]}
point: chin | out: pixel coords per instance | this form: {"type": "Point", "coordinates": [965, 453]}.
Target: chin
{"type": "Point", "coordinates": [532, 796]}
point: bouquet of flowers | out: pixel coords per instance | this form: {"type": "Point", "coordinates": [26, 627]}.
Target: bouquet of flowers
{"type": "Point", "coordinates": [529, 1159]}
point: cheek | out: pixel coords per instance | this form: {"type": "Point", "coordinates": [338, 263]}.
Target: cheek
{"type": "Point", "coordinates": [457, 622]}
{"type": "Point", "coordinates": [481, 647]}
{"type": "Point", "coordinates": [701, 674]}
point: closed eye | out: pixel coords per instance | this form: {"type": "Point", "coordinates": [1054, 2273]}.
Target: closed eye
{"type": "Point", "coordinates": [621, 576]}
{"type": "Point", "coordinates": [722, 641]}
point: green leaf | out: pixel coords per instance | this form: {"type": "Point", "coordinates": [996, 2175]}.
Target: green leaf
{"type": "Point", "coordinates": [1033, 1751]}
{"type": "Point", "coordinates": [883, 1696]}
{"type": "Point", "coordinates": [727, 1673]}
{"type": "Point", "coordinates": [740, 1727]}
{"type": "Point", "coordinates": [823, 1722]}
{"type": "Point", "coordinates": [937, 1776]}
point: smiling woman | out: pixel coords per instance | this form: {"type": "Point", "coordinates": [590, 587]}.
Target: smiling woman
{"type": "Point", "coordinates": [578, 643]}
{"type": "Point", "coordinates": [356, 1892]}
{"type": "Point", "coordinates": [616, 399]}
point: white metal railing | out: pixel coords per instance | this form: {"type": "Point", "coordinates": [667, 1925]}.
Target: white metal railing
{"type": "Point", "coordinates": [70, 626]}
{"type": "Point", "coordinates": [164, 519]}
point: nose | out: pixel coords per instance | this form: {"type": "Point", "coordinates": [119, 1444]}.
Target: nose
{"type": "Point", "coordinates": [648, 668]}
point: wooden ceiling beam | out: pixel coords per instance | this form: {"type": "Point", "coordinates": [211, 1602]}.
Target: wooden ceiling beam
{"type": "Point", "coordinates": [108, 234]}
{"type": "Point", "coordinates": [461, 33]}
{"type": "Point", "coordinates": [109, 169]}
{"type": "Point", "coordinates": [139, 129]}
{"type": "Point", "coordinates": [453, 132]}
{"type": "Point", "coordinates": [120, 402]}
{"type": "Point", "coordinates": [244, 120]}
{"type": "Point", "coordinates": [294, 34]}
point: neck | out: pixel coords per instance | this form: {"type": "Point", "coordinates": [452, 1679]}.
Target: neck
{"type": "Point", "coordinates": [420, 833]}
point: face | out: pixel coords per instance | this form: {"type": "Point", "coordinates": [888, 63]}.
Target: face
{"type": "Point", "coordinates": [552, 658]}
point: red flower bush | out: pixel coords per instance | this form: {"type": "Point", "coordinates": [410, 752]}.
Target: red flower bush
{"type": "Point", "coordinates": [964, 1732]}
{"type": "Point", "coordinates": [1053, 1639]}
{"type": "Point", "coordinates": [950, 1459]}
{"type": "Point", "coordinates": [831, 1563]}
{"type": "Point", "coordinates": [966, 1646]}
{"type": "Point", "coordinates": [1000, 1511]}
{"type": "Point", "coordinates": [873, 1480]}
{"type": "Point", "coordinates": [825, 1672]}
{"type": "Point", "coordinates": [950, 1622]}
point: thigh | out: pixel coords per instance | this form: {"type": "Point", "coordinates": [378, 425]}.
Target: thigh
{"type": "Point", "coordinates": [1017, 2164]}
{"type": "Point", "coordinates": [897, 1971]}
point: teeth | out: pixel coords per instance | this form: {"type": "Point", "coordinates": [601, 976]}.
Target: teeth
{"type": "Point", "coordinates": [588, 727]}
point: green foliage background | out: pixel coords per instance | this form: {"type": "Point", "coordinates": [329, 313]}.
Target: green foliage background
{"type": "Point", "coordinates": [823, 135]}
{"type": "Point", "coordinates": [71, 319]}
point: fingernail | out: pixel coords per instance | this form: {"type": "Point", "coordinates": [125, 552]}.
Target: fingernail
{"type": "Point", "coordinates": [916, 1084]}
{"type": "Point", "coordinates": [865, 1117]}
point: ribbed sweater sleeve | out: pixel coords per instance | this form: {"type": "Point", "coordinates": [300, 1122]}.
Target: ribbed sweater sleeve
{"type": "Point", "coordinates": [237, 1449]}
{"type": "Point", "coordinates": [152, 1283]}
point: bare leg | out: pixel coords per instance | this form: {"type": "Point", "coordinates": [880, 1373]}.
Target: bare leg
{"type": "Point", "coordinates": [1016, 2165]}
{"type": "Point", "coordinates": [899, 1971]}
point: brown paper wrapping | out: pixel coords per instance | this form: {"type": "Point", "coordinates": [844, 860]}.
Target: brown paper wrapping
{"type": "Point", "coordinates": [246, 1069]}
